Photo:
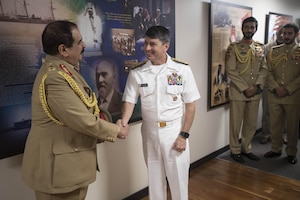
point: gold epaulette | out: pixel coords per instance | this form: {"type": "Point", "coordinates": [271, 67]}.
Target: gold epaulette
{"type": "Point", "coordinates": [277, 58]}
{"type": "Point", "coordinates": [231, 45]}
{"type": "Point", "coordinates": [258, 43]}
{"type": "Point", "coordinates": [90, 101]}
{"type": "Point", "coordinates": [277, 46]}
{"type": "Point", "coordinates": [179, 61]}
{"type": "Point", "coordinates": [140, 64]}
{"type": "Point", "coordinates": [297, 50]}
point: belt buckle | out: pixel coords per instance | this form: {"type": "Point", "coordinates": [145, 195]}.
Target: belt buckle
{"type": "Point", "coordinates": [162, 124]}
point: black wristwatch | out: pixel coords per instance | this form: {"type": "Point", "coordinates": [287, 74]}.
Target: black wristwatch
{"type": "Point", "coordinates": [184, 134]}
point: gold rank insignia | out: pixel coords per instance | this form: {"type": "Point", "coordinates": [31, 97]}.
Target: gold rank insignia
{"type": "Point", "coordinates": [179, 61]}
{"type": "Point", "coordinates": [64, 68]}
{"type": "Point", "coordinates": [139, 64]}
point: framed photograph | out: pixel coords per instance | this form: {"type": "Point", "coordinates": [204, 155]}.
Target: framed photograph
{"type": "Point", "coordinates": [113, 32]}
{"type": "Point", "coordinates": [273, 22]}
{"type": "Point", "coordinates": [225, 27]}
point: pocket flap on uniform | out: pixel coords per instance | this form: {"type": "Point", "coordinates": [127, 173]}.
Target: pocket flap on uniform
{"type": "Point", "coordinates": [60, 147]}
{"type": "Point", "coordinates": [174, 89]}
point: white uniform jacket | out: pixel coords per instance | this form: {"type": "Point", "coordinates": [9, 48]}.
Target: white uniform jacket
{"type": "Point", "coordinates": [163, 94]}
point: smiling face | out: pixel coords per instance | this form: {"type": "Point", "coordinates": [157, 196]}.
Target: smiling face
{"type": "Point", "coordinates": [155, 50]}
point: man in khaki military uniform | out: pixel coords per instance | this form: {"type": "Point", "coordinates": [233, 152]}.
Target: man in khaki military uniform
{"type": "Point", "coordinates": [246, 67]}
{"type": "Point", "coordinates": [60, 153]}
{"type": "Point", "coordinates": [284, 99]}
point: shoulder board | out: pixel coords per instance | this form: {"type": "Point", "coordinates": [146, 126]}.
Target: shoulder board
{"type": "Point", "coordinates": [258, 43]}
{"type": "Point", "coordinates": [65, 69]}
{"type": "Point", "coordinates": [179, 61]}
{"type": "Point", "coordinates": [61, 67]}
{"type": "Point", "coordinates": [230, 46]}
{"type": "Point", "coordinates": [277, 46]}
{"type": "Point", "coordinates": [139, 64]}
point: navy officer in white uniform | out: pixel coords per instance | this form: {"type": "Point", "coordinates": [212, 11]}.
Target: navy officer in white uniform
{"type": "Point", "coordinates": [168, 93]}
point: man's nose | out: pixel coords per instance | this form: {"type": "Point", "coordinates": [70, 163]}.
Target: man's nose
{"type": "Point", "coordinates": [147, 47]}
{"type": "Point", "coordinates": [83, 44]}
{"type": "Point", "coordinates": [101, 78]}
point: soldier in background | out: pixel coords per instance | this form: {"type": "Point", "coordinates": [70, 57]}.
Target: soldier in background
{"type": "Point", "coordinates": [246, 67]}
{"type": "Point", "coordinates": [284, 85]}
{"type": "Point", "coordinates": [266, 136]}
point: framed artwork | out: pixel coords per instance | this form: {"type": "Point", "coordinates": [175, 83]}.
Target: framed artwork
{"type": "Point", "coordinates": [113, 32]}
{"type": "Point", "coordinates": [273, 22]}
{"type": "Point", "coordinates": [225, 27]}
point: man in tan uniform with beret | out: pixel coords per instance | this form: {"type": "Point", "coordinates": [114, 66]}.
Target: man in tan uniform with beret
{"type": "Point", "coordinates": [284, 99]}
{"type": "Point", "coordinates": [246, 67]}
{"type": "Point", "coordinates": [60, 153]}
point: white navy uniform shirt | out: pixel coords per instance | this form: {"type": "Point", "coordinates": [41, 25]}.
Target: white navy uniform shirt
{"type": "Point", "coordinates": [163, 94]}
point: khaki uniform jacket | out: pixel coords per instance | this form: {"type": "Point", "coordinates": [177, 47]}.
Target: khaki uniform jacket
{"type": "Point", "coordinates": [246, 66]}
{"type": "Point", "coordinates": [284, 69]}
{"type": "Point", "coordinates": [60, 151]}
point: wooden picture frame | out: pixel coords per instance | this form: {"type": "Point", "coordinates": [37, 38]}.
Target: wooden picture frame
{"type": "Point", "coordinates": [225, 27]}
{"type": "Point", "coordinates": [273, 22]}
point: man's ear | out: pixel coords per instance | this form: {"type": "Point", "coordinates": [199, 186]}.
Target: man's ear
{"type": "Point", "coordinates": [62, 49]}
{"type": "Point", "coordinates": [167, 45]}
{"type": "Point", "coordinates": [114, 75]}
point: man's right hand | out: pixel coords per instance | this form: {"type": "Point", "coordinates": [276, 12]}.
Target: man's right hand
{"type": "Point", "coordinates": [123, 130]}
{"type": "Point", "coordinates": [250, 92]}
{"type": "Point", "coordinates": [281, 91]}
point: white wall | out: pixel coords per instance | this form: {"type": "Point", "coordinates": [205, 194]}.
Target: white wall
{"type": "Point", "coordinates": [123, 171]}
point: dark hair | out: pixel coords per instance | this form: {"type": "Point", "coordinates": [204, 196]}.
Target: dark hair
{"type": "Point", "coordinates": [57, 33]}
{"type": "Point", "coordinates": [158, 32]}
{"type": "Point", "coordinates": [292, 25]}
{"type": "Point", "coordinates": [250, 19]}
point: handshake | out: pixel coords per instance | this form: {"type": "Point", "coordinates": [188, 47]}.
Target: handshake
{"type": "Point", "coordinates": [123, 129]}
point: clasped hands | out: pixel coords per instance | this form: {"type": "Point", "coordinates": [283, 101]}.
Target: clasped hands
{"type": "Point", "coordinates": [250, 92]}
{"type": "Point", "coordinates": [123, 129]}
{"type": "Point", "coordinates": [281, 91]}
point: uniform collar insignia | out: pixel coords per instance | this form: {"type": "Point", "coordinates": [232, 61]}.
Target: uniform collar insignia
{"type": "Point", "coordinates": [65, 69]}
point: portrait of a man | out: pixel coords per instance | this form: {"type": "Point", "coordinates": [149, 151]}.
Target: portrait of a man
{"type": "Point", "coordinates": [109, 97]}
